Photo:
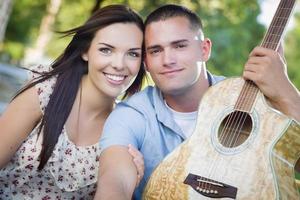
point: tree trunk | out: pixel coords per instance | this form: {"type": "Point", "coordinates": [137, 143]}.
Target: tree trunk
{"type": "Point", "coordinates": [36, 55]}
{"type": "Point", "coordinates": [5, 10]}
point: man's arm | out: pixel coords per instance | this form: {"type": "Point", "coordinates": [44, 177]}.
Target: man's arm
{"type": "Point", "coordinates": [267, 69]}
{"type": "Point", "coordinates": [117, 174]}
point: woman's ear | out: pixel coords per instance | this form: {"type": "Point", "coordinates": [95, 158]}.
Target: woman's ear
{"type": "Point", "coordinates": [85, 57]}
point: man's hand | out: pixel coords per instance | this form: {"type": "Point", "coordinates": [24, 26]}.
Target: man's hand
{"type": "Point", "coordinates": [267, 69]}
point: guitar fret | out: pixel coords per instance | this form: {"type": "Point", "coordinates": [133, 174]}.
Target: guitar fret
{"type": "Point", "coordinates": [275, 35]}
{"type": "Point", "coordinates": [276, 29]}
{"type": "Point", "coordinates": [281, 21]}
{"type": "Point", "coordinates": [281, 18]}
{"type": "Point", "coordinates": [288, 9]}
{"type": "Point", "coordinates": [285, 14]}
{"type": "Point", "coordinates": [272, 43]}
{"type": "Point", "coordinates": [273, 40]}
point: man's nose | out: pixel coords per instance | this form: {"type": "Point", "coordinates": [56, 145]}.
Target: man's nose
{"type": "Point", "coordinates": [168, 57]}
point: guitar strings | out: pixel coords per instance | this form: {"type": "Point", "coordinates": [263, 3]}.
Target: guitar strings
{"type": "Point", "coordinates": [253, 93]}
{"type": "Point", "coordinates": [273, 41]}
{"type": "Point", "coordinates": [231, 118]}
{"type": "Point", "coordinates": [253, 90]}
{"type": "Point", "coordinates": [212, 168]}
{"type": "Point", "coordinates": [223, 134]}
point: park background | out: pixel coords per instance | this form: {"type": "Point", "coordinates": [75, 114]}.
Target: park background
{"type": "Point", "coordinates": [27, 30]}
{"type": "Point", "coordinates": [28, 33]}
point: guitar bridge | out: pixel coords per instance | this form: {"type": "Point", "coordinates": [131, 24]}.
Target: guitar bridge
{"type": "Point", "coordinates": [210, 188]}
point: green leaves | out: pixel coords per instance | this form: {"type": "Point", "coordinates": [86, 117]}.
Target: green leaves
{"type": "Point", "coordinates": [292, 52]}
{"type": "Point", "coordinates": [231, 25]}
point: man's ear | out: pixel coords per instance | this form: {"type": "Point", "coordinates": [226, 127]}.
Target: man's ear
{"type": "Point", "coordinates": [206, 49]}
{"type": "Point", "coordinates": [85, 57]}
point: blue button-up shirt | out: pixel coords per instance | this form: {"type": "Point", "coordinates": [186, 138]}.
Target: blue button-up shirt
{"type": "Point", "coordinates": [145, 122]}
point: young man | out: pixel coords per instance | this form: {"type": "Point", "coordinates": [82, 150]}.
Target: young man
{"type": "Point", "coordinates": [160, 118]}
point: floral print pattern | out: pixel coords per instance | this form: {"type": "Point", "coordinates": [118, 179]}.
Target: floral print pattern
{"type": "Point", "coordinates": [70, 173]}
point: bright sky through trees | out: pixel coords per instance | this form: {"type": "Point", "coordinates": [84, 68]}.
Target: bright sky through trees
{"type": "Point", "coordinates": [268, 8]}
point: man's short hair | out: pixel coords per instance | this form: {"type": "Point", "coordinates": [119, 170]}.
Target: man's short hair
{"type": "Point", "coordinates": [171, 10]}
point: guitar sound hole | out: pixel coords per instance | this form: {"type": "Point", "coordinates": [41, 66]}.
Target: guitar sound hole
{"type": "Point", "coordinates": [235, 129]}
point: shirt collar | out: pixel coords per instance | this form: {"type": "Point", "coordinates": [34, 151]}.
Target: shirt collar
{"type": "Point", "coordinates": [164, 115]}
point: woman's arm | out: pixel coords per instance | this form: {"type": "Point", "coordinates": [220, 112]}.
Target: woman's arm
{"type": "Point", "coordinates": [16, 123]}
{"type": "Point", "coordinates": [117, 174]}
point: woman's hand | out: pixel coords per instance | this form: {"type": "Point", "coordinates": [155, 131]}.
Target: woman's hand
{"type": "Point", "coordinates": [138, 160]}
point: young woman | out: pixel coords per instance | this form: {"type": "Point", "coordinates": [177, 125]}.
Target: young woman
{"type": "Point", "coordinates": [49, 132]}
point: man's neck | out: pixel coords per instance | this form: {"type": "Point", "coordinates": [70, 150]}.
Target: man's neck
{"type": "Point", "coordinates": [189, 100]}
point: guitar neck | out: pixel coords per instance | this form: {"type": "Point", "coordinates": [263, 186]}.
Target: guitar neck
{"type": "Point", "coordinates": [271, 41]}
{"type": "Point", "coordinates": [278, 24]}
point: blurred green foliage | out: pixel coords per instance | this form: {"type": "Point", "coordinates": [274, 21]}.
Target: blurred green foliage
{"type": "Point", "coordinates": [23, 26]}
{"type": "Point", "coordinates": [231, 25]}
{"type": "Point", "coordinates": [71, 14]}
{"type": "Point", "coordinates": [292, 52]}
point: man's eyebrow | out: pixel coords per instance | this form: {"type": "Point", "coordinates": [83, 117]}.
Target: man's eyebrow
{"type": "Point", "coordinates": [153, 47]}
{"type": "Point", "coordinates": [179, 41]}
{"type": "Point", "coordinates": [172, 43]}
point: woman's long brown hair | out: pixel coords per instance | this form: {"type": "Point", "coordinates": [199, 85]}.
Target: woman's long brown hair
{"type": "Point", "coordinates": [69, 68]}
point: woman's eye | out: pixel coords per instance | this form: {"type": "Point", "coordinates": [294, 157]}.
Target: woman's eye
{"type": "Point", "coordinates": [105, 50]}
{"type": "Point", "coordinates": [134, 54]}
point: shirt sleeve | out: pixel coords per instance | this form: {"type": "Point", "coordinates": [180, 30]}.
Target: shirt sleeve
{"type": "Point", "coordinates": [45, 88]}
{"type": "Point", "coordinates": [124, 126]}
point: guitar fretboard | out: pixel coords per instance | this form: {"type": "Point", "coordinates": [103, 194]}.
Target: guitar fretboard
{"type": "Point", "coordinates": [271, 40]}
{"type": "Point", "coordinates": [278, 24]}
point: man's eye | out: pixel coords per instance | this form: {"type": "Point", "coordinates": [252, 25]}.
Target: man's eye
{"type": "Point", "coordinates": [154, 51]}
{"type": "Point", "coordinates": [179, 46]}
{"type": "Point", "coordinates": [105, 50]}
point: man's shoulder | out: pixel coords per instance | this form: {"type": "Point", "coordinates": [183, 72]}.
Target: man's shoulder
{"type": "Point", "coordinates": [126, 123]}
{"type": "Point", "coordinates": [214, 79]}
{"type": "Point", "coordinates": [141, 99]}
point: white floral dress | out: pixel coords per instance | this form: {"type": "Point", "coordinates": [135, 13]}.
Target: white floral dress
{"type": "Point", "coordinates": [70, 173]}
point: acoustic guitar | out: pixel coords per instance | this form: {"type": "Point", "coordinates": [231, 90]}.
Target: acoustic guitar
{"type": "Point", "coordinates": [241, 148]}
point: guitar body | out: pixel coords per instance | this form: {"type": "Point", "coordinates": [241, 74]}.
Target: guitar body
{"type": "Point", "coordinates": [259, 165]}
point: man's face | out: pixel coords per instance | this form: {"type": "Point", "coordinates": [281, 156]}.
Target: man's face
{"type": "Point", "coordinates": [175, 54]}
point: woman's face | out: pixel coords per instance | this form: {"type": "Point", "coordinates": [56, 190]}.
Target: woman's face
{"type": "Point", "coordinates": [114, 58]}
